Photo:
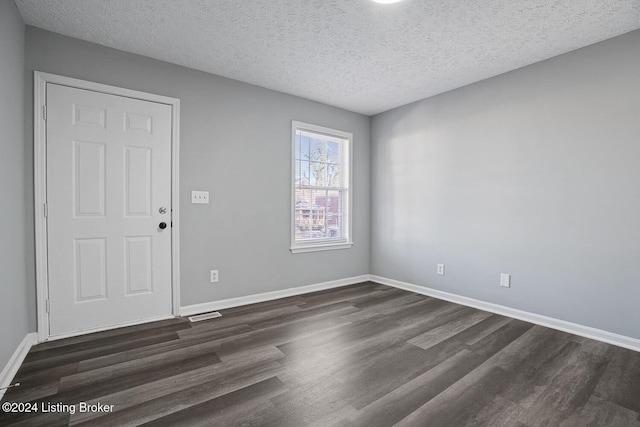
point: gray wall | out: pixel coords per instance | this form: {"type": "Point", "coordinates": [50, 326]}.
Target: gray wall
{"type": "Point", "coordinates": [235, 143]}
{"type": "Point", "coordinates": [15, 263]}
{"type": "Point", "coordinates": [535, 173]}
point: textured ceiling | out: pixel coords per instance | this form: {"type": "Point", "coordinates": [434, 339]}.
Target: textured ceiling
{"type": "Point", "coordinates": [355, 54]}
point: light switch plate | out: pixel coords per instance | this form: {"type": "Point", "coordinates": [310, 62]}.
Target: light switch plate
{"type": "Point", "coordinates": [200, 197]}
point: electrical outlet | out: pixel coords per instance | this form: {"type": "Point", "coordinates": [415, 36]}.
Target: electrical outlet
{"type": "Point", "coordinates": [201, 197]}
{"type": "Point", "coordinates": [213, 276]}
{"type": "Point", "coordinates": [440, 270]}
{"type": "Point", "coordinates": [505, 280]}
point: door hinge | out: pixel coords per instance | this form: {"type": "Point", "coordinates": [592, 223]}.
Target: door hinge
{"type": "Point", "coordinates": [46, 210]}
{"type": "Point", "coordinates": [44, 112]}
{"type": "Point", "coordinates": [48, 306]}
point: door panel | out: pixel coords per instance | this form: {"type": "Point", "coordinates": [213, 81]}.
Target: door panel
{"type": "Point", "coordinates": [108, 174]}
{"type": "Point", "coordinates": [137, 181]}
{"type": "Point", "coordinates": [138, 265]}
{"type": "Point", "coordinates": [89, 264]}
{"type": "Point", "coordinates": [88, 178]}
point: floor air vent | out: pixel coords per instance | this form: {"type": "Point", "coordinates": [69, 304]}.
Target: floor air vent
{"type": "Point", "coordinates": [204, 316]}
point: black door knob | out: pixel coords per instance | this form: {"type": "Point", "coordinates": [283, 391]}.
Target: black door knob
{"type": "Point", "coordinates": [162, 225]}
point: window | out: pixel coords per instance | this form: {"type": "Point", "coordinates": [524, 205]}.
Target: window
{"type": "Point", "coordinates": [321, 188]}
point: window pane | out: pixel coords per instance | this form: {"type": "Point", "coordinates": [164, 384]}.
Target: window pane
{"type": "Point", "coordinates": [333, 175]}
{"type": "Point", "coordinates": [333, 151]}
{"type": "Point", "coordinates": [334, 214]}
{"type": "Point", "coordinates": [318, 174]}
{"type": "Point", "coordinates": [302, 151]}
{"type": "Point", "coordinates": [304, 173]}
{"type": "Point", "coordinates": [317, 150]}
{"type": "Point", "coordinates": [303, 214]}
{"type": "Point", "coordinates": [318, 215]}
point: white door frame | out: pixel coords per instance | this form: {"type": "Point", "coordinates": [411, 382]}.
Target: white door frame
{"type": "Point", "coordinates": [40, 186]}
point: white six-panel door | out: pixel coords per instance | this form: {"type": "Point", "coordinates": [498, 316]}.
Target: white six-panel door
{"type": "Point", "coordinates": [108, 191]}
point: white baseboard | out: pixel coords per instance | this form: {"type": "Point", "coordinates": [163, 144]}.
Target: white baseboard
{"type": "Point", "coordinates": [549, 322]}
{"type": "Point", "coordinates": [15, 362]}
{"type": "Point", "coordinates": [190, 310]}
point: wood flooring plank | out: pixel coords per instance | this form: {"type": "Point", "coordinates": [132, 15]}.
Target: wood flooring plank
{"type": "Point", "coordinates": [367, 337]}
{"type": "Point", "coordinates": [531, 380]}
{"type": "Point", "coordinates": [212, 331]}
{"type": "Point", "coordinates": [356, 346]}
{"type": "Point", "coordinates": [478, 383]}
{"type": "Point", "coordinates": [81, 354]}
{"type": "Point", "coordinates": [332, 296]}
{"type": "Point", "coordinates": [141, 365]}
{"type": "Point", "coordinates": [620, 383]}
{"type": "Point", "coordinates": [335, 418]}
{"type": "Point", "coordinates": [423, 311]}
{"type": "Point", "coordinates": [480, 330]}
{"type": "Point", "coordinates": [500, 412]}
{"type": "Point", "coordinates": [225, 409]}
{"type": "Point", "coordinates": [172, 392]}
{"type": "Point", "coordinates": [108, 386]}
{"type": "Point", "coordinates": [498, 340]}
{"type": "Point", "coordinates": [422, 389]}
{"type": "Point", "coordinates": [150, 328]}
{"type": "Point", "coordinates": [533, 348]}
{"type": "Point", "coordinates": [341, 309]}
{"type": "Point", "coordinates": [359, 355]}
{"type": "Point", "coordinates": [402, 401]}
{"type": "Point", "coordinates": [33, 378]}
{"type": "Point", "coordinates": [591, 346]}
{"type": "Point", "coordinates": [511, 358]}
{"type": "Point", "coordinates": [381, 297]}
{"type": "Point", "coordinates": [311, 402]}
{"type": "Point", "coordinates": [449, 329]}
{"type": "Point", "coordinates": [568, 391]}
{"type": "Point", "coordinates": [459, 404]}
{"type": "Point", "coordinates": [27, 392]}
{"type": "Point", "coordinates": [48, 420]}
{"type": "Point", "coordinates": [261, 306]}
{"type": "Point", "coordinates": [601, 413]}
{"type": "Point", "coordinates": [364, 385]}
{"type": "Point", "coordinates": [383, 306]}
{"type": "Point", "coordinates": [151, 410]}
{"type": "Point", "coordinates": [119, 339]}
{"type": "Point", "coordinates": [157, 349]}
{"type": "Point", "coordinates": [283, 333]}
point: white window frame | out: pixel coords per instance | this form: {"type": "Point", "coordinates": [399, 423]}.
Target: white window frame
{"type": "Point", "coordinates": [346, 240]}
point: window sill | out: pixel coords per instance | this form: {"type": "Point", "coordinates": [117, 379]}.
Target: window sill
{"type": "Point", "coordinates": [321, 247]}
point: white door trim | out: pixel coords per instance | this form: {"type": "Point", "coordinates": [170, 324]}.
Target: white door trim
{"type": "Point", "coordinates": [40, 81]}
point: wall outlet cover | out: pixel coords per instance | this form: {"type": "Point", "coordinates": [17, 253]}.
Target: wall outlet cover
{"type": "Point", "coordinates": [440, 270]}
{"type": "Point", "coordinates": [505, 280]}
{"type": "Point", "coordinates": [213, 276]}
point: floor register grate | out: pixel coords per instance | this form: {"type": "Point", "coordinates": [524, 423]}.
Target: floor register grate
{"type": "Point", "coordinates": [204, 316]}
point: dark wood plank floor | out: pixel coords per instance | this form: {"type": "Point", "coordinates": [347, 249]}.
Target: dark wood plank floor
{"type": "Point", "coordinates": [362, 355]}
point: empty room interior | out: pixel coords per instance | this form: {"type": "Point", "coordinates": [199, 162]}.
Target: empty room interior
{"type": "Point", "coordinates": [323, 212]}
